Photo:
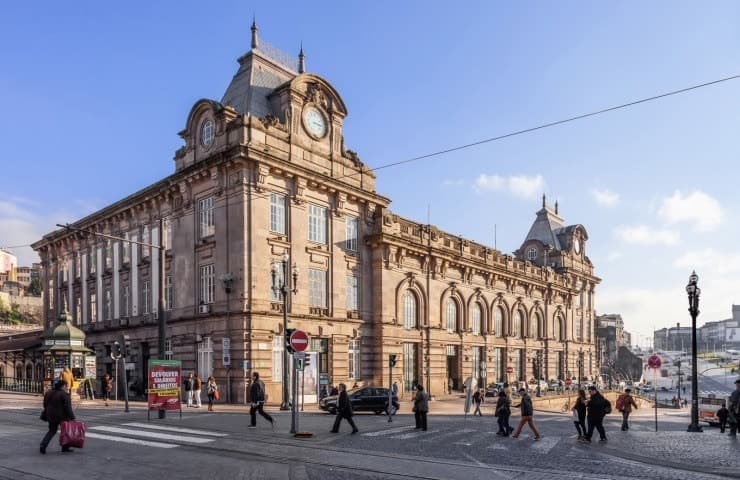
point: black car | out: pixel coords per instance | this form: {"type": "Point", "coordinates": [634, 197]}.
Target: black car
{"type": "Point", "coordinates": [365, 399]}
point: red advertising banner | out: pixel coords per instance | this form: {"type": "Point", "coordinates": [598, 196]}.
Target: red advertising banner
{"type": "Point", "coordinates": [164, 384]}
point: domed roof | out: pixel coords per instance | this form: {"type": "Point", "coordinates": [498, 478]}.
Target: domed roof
{"type": "Point", "coordinates": [65, 336]}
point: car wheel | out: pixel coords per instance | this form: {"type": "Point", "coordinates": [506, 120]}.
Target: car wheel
{"type": "Point", "coordinates": [332, 410]}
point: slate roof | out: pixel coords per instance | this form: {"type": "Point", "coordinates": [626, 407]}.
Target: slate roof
{"type": "Point", "coordinates": [548, 228]}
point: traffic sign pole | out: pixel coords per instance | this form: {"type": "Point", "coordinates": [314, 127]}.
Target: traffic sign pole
{"type": "Point", "coordinates": [655, 362]}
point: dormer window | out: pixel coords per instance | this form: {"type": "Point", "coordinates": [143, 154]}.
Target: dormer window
{"type": "Point", "coordinates": [206, 133]}
{"type": "Point", "coordinates": [532, 254]}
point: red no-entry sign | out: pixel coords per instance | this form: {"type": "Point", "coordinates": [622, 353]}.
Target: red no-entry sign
{"type": "Point", "coordinates": [568, 381]}
{"type": "Point", "coordinates": [509, 369]}
{"type": "Point", "coordinates": [299, 341]}
{"type": "Point", "coordinates": [654, 361]}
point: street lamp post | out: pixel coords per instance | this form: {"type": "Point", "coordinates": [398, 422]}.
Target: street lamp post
{"type": "Point", "coordinates": [693, 291]}
{"type": "Point", "coordinates": [284, 289]}
{"type": "Point", "coordinates": [580, 367]}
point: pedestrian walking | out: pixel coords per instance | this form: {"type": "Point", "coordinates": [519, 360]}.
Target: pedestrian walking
{"type": "Point", "coordinates": [68, 379]}
{"type": "Point", "coordinates": [57, 409]}
{"type": "Point", "coordinates": [527, 415]}
{"type": "Point", "coordinates": [579, 413]}
{"type": "Point", "coordinates": [421, 407]}
{"type": "Point", "coordinates": [734, 417]}
{"type": "Point", "coordinates": [107, 385]}
{"type": "Point", "coordinates": [189, 384]}
{"type": "Point", "coordinates": [625, 402]}
{"type": "Point", "coordinates": [257, 399]}
{"type": "Point", "coordinates": [502, 413]}
{"type": "Point", "coordinates": [507, 390]}
{"type": "Point", "coordinates": [88, 388]}
{"type": "Point", "coordinates": [477, 400]}
{"type": "Point", "coordinates": [596, 408]}
{"type": "Point", "coordinates": [722, 415]}
{"type": "Point", "coordinates": [344, 410]}
{"type": "Point", "coordinates": [211, 392]}
{"type": "Point", "coordinates": [197, 388]}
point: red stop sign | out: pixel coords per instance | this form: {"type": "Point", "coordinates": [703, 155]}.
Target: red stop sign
{"type": "Point", "coordinates": [299, 341]}
{"type": "Point", "coordinates": [568, 381]}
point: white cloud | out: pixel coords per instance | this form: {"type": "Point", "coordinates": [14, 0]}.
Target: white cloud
{"type": "Point", "coordinates": [453, 183]}
{"type": "Point", "coordinates": [614, 256]}
{"type": "Point", "coordinates": [518, 185]}
{"type": "Point", "coordinates": [698, 208]}
{"type": "Point", "coordinates": [709, 260]}
{"type": "Point", "coordinates": [605, 198]}
{"type": "Point", "coordinates": [645, 235]}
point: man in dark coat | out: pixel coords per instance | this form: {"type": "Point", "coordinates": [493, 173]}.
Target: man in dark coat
{"type": "Point", "coordinates": [421, 407]}
{"type": "Point", "coordinates": [344, 410]}
{"type": "Point", "coordinates": [257, 400]}
{"type": "Point", "coordinates": [723, 414]}
{"type": "Point", "coordinates": [57, 409]}
{"type": "Point", "coordinates": [527, 415]}
{"type": "Point", "coordinates": [596, 410]}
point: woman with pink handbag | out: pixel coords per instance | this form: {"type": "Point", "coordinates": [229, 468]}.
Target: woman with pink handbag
{"type": "Point", "coordinates": [57, 409]}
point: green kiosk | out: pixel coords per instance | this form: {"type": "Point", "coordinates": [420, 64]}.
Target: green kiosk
{"type": "Point", "coordinates": [64, 347]}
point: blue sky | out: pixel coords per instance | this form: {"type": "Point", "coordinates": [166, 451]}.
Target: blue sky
{"type": "Point", "coordinates": [94, 94]}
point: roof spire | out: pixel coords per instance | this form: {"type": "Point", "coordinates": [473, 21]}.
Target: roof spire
{"type": "Point", "coordinates": [255, 42]}
{"type": "Point", "coordinates": [301, 60]}
{"type": "Point", "coordinates": [556, 207]}
{"type": "Point", "coordinates": [544, 204]}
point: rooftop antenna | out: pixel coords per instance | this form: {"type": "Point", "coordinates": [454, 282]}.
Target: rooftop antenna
{"type": "Point", "coordinates": [301, 60]}
{"type": "Point", "coordinates": [255, 41]}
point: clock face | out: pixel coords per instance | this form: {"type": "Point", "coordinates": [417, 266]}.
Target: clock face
{"type": "Point", "coordinates": [577, 246]}
{"type": "Point", "coordinates": [314, 121]}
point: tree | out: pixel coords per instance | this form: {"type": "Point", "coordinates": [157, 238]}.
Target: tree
{"type": "Point", "coordinates": [34, 288]}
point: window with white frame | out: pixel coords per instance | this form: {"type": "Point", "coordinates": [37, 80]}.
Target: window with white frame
{"type": "Point", "coordinates": [558, 333]}
{"type": "Point", "coordinates": [125, 301]}
{"type": "Point", "coordinates": [145, 296]}
{"type": "Point", "coordinates": [168, 233]}
{"type": "Point", "coordinates": [276, 282]}
{"type": "Point", "coordinates": [518, 324]}
{"type": "Point", "coordinates": [532, 254]}
{"type": "Point", "coordinates": [354, 359]}
{"type": "Point", "coordinates": [317, 287]}
{"type": "Point", "coordinates": [540, 326]}
{"type": "Point", "coordinates": [168, 293]}
{"type": "Point", "coordinates": [63, 268]}
{"type": "Point", "coordinates": [498, 322]}
{"type": "Point", "coordinates": [533, 324]}
{"type": "Point", "coordinates": [145, 238]}
{"type": "Point", "coordinates": [108, 254]}
{"type": "Point", "coordinates": [93, 308]}
{"type": "Point", "coordinates": [126, 248]}
{"type": "Point", "coordinates": [352, 293]}
{"type": "Point", "coordinates": [475, 318]}
{"type": "Point", "coordinates": [316, 224]}
{"type": "Point", "coordinates": [579, 333]}
{"type": "Point", "coordinates": [205, 211]}
{"type": "Point", "coordinates": [205, 357]}
{"type": "Point", "coordinates": [78, 264]}
{"type": "Point", "coordinates": [207, 284]}
{"type": "Point", "coordinates": [93, 259]}
{"type": "Point", "coordinates": [277, 213]}
{"type": "Point", "coordinates": [278, 344]}
{"type": "Point", "coordinates": [108, 306]}
{"type": "Point", "coordinates": [451, 316]}
{"type": "Point", "coordinates": [409, 310]}
{"type": "Point", "coordinates": [351, 227]}
{"type": "Point", "coordinates": [51, 294]}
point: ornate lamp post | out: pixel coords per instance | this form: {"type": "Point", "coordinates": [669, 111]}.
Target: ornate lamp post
{"type": "Point", "coordinates": [693, 292]}
{"type": "Point", "coordinates": [284, 289]}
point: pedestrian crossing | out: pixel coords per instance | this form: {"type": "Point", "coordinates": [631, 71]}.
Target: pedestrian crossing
{"type": "Point", "coordinates": [157, 436]}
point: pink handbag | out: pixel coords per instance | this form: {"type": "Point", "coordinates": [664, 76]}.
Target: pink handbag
{"type": "Point", "coordinates": [72, 434]}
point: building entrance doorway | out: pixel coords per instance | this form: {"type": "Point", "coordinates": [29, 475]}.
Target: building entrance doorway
{"type": "Point", "coordinates": [454, 382]}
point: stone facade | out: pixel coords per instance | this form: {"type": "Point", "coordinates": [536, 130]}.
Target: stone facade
{"type": "Point", "coordinates": [265, 175]}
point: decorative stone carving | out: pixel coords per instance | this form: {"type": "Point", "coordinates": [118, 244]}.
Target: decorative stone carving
{"type": "Point", "coordinates": [340, 200]}
{"type": "Point", "coordinates": [269, 121]}
{"type": "Point", "coordinates": [299, 186]}
{"type": "Point", "coordinates": [262, 172]}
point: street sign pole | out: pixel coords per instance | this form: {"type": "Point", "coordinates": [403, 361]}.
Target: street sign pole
{"type": "Point", "coordinates": [654, 363]}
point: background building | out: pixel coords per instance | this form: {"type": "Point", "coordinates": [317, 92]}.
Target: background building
{"type": "Point", "coordinates": [265, 187]}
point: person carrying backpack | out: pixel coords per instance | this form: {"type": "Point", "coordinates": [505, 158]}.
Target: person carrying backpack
{"type": "Point", "coordinates": [625, 402]}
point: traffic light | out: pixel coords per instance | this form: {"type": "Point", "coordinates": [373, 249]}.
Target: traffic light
{"type": "Point", "coordinates": [116, 350]}
{"type": "Point", "coordinates": [392, 360]}
{"type": "Point", "coordinates": [288, 333]}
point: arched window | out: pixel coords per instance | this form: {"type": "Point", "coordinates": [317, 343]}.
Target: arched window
{"type": "Point", "coordinates": [409, 310]}
{"type": "Point", "coordinates": [533, 325]}
{"type": "Point", "coordinates": [451, 315]}
{"type": "Point", "coordinates": [475, 317]}
{"type": "Point", "coordinates": [518, 324]}
{"type": "Point", "coordinates": [558, 329]}
{"type": "Point", "coordinates": [498, 322]}
{"type": "Point", "coordinates": [540, 326]}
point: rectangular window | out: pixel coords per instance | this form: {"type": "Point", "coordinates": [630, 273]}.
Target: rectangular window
{"type": "Point", "coordinates": [317, 287]}
{"type": "Point", "coordinates": [168, 293]}
{"type": "Point", "coordinates": [278, 343]}
{"type": "Point", "coordinates": [205, 209]}
{"type": "Point", "coordinates": [93, 259]}
{"type": "Point", "coordinates": [205, 357]}
{"type": "Point", "coordinates": [78, 264]}
{"type": "Point", "coordinates": [63, 267]}
{"type": "Point", "coordinates": [108, 307]}
{"type": "Point", "coordinates": [276, 282]}
{"type": "Point", "coordinates": [108, 254]}
{"type": "Point", "coordinates": [145, 238]}
{"type": "Point", "coordinates": [167, 234]}
{"type": "Point", "coordinates": [354, 359]}
{"type": "Point", "coordinates": [409, 366]}
{"type": "Point", "coordinates": [498, 362]}
{"type": "Point", "coordinates": [316, 224]}
{"type": "Point", "coordinates": [277, 213]}
{"type": "Point", "coordinates": [207, 284]}
{"type": "Point", "coordinates": [125, 301]}
{"type": "Point", "coordinates": [78, 310]}
{"type": "Point", "coordinates": [145, 295]}
{"type": "Point", "coordinates": [51, 294]}
{"type": "Point", "coordinates": [93, 308]}
{"type": "Point", "coordinates": [126, 249]}
{"type": "Point", "coordinates": [352, 293]}
{"type": "Point", "coordinates": [351, 231]}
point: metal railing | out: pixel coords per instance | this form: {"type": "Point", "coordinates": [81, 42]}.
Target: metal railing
{"type": "Point", "coordinates": [10, 384]}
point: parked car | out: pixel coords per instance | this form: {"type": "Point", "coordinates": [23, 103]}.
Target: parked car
{"type": "Point", "coordinates": [365, 399]}
{"type": "Point", "coordinates": [555, 385]}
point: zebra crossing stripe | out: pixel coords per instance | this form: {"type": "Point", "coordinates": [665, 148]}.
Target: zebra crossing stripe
{"type": "Point", "coordinates": [134, 441]}
{"type": "Point", "coordinates": [156, 435]}
{"type": "Point", "coordinates": [389, 431]}
{"type": "Point", "coordinates": [176, 429]}
{"type": "Point", "coordinates": [414, 434]}
{"type": "Point", "coordinates": [545, 444]}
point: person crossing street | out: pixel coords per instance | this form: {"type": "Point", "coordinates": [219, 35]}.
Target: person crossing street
{"type": "Point", "coordinates": [257, 399]}
{"type": "Point", "coordinates": [527, 415]}
{"type": "Point", "coordinates": [344, 410]}
{"type": "Point", "coordinates": [625, 402]}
